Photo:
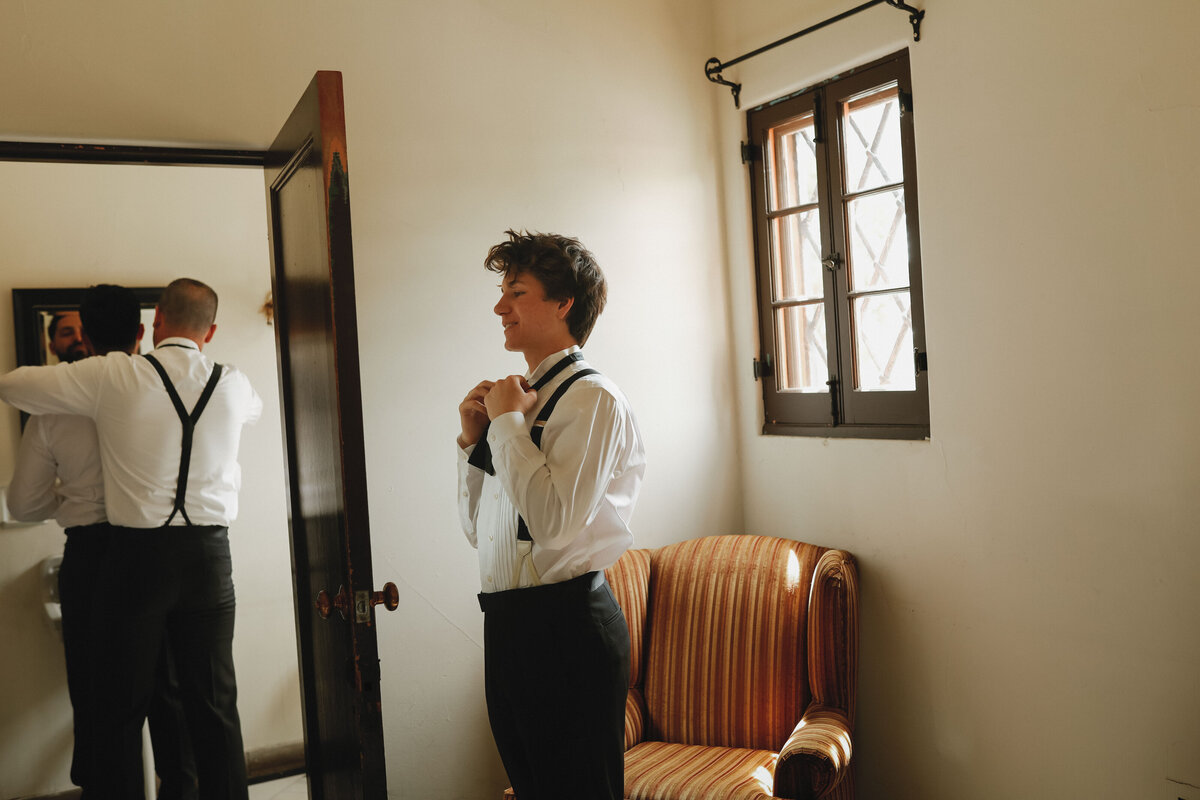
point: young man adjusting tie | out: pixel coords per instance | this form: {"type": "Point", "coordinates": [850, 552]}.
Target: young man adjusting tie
{"type": "Point", "coordinates": [550, 465]}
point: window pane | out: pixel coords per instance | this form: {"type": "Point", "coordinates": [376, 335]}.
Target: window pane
{"type": "Point", "coordinates": [796, 256]}
{"type": "Point", "coordinates": [883, 343]}
{"type": "Point", "coordinates": [802, 363]}
{"type": "Point", "coordinates": [878, 242]}
{"type": "Point", "coordinates": [871, 139]}
{"type": "Point", "coordinates": [792, 164]}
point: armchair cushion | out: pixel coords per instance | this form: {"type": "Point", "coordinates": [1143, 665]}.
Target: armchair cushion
{"type": "Point", "coordinates": [662, 769]}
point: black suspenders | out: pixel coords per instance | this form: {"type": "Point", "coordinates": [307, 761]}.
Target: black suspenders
{"type": "Point", "coordinates": [189, 426]}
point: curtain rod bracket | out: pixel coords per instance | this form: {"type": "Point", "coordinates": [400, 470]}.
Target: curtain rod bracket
{"type": "Point", "coordinates": [713, 67]}
{"type": "Point", "coordinates": [915, 15]}
{"type": "Point", "coordinates": [712, 70]}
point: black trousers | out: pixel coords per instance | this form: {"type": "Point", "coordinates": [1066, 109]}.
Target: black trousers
{"type": "Point", "coordinates": [556, 662]}
{"type": "Point", "coordinates": [85, 548]}
{"type": "Point", "coordinates": [169, 587]}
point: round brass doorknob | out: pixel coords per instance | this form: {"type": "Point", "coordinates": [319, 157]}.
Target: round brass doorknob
{"type": "Point", "coordinates": [325, 605]}
{"type": "Point", "coordinates": [390, 597]}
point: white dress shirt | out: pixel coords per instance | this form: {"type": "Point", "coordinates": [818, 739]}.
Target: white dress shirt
{"type": "Point", "coordinates": [576, 494]}
{"type": "Point", "coordinates": [140, 434]}
{"type": "Point", "coordinates": [58, 472]}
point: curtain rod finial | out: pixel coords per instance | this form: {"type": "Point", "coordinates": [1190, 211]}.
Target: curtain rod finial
{"type": "Point", "coordinates": [712, 71]}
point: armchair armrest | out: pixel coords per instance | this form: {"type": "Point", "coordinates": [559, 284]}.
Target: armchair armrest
{"type": "Point", "coordinates": [816, 757]}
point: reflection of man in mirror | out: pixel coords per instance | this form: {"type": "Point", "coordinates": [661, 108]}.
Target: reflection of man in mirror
{"type": "Point", "coordinates": [58, 475]}
{"type": "Point", "coordinates": [66, 336]}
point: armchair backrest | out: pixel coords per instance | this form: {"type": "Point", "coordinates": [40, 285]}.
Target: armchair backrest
{"type": "Point", "coordinates": [725, 660]}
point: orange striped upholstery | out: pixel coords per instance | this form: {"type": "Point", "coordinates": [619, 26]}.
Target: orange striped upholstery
{"type": "Point", "coordinates": [630, 582]}
{"type": "Point", "coordinates": [726, 655]}
{"type": "Point", "coordinates": [655, 770]}
{"type": "Point", "coordinates": [629, 579]}
{"type": "Point", "coordinates": [743, 669]}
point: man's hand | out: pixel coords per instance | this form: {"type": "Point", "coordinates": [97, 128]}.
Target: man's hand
{"type": "Point", "coordinates": [510, 394]}
{"type": "Point", "coordinates": [473, 415]}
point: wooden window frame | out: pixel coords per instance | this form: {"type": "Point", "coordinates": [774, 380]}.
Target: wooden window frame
{"type": "Point", "coordinates": [841, 411]}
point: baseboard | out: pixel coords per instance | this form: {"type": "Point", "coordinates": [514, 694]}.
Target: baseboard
{"type": "Point", "coordinates": [271, 763]}
{"type": "Point", "coordinates": [262, 765]}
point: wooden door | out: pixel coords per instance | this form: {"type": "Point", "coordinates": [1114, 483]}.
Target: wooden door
{"type": "Point", "coordinates": [320, 392]}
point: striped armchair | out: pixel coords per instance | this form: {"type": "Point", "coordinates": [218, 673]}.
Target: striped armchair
{"type": "Point", "coordinates": [743, 669]}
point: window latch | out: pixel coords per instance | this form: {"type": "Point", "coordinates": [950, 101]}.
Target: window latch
{"type": "Point", "coordinates": [832, 262]}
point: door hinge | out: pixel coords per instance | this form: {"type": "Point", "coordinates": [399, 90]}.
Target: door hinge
{"type": "Point", "coordinates": [751, 152]}
{"type": "Point", "coordinates": [906, 102]}
{"type": "Point", "coordinates": [764, 368]}
{"type": "Point", "coordinates": [920, 360]}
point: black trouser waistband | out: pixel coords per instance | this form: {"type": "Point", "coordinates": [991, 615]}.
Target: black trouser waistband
{"type": "Point", "coordinates": [172, 529]}
{"type": "Point", "coordinates": [539, 596]}
{"type": "Point", "coordinates": [84, 530]}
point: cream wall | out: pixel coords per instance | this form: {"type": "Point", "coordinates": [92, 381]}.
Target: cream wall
{"type": "Point", "coordinates": [588, 119]}
{"type": "Point", "coordinates": [1030, 604]}
{"type": "Point", "coordinates": [1031, 601]}
{"type": "Point", "coordinates": [75, 225]}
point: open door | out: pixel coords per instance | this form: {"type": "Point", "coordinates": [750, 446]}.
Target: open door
{"type": "Point", "coordinates": [320, 393]}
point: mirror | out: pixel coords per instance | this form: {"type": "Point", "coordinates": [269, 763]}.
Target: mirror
{"type": "Point", "coordinates": [38, 314]}
{"type": "Point", "coordinates": [36, 311]}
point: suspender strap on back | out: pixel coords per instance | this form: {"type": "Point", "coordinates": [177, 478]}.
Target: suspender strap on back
{"type": "Point", "coordinates": [539, 425]}
{"type": "Point", "coordinates": [189, 426]}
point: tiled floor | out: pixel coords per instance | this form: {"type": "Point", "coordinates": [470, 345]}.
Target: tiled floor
{"type": "Point", "coordinates": [294, 788]}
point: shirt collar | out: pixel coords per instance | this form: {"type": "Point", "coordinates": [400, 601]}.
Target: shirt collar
{"type": "Point", "coordinates": [177, 341]}
{"type": "Point", "coordinates": [548, 362]}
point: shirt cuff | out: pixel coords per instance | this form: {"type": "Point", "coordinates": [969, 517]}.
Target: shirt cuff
{"type": "Point", "coordinates": [505, 427]}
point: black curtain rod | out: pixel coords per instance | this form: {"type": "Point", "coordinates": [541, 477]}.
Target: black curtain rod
{"type": "Point", "coordinates": [128, 154]}
{"type": "Point", "coordinates": [713, 67]}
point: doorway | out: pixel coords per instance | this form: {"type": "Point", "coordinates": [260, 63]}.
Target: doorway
{"type": "Point", "coordinates": [73, 225]}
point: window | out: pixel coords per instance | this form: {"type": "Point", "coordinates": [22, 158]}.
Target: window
{"type": "Point", "coordinates": [834, 192]}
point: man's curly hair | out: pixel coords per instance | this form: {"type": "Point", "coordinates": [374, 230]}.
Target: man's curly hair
{"type": "Point", "coordinates": [565, 268]}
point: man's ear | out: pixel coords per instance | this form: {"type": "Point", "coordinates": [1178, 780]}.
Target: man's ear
{"type": "Point", "coordinates": [141, 332]}
{"type": "Point", "coordinates": [564, 307]}
{"type": "Point", "coordinates": [157, 318]}
{"type": "Point", "coordinates": [211, 330]}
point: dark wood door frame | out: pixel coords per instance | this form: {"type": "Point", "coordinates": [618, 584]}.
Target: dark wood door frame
{"type": "Point", "coordinates": [63, 152]}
